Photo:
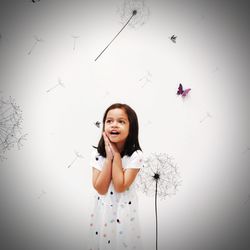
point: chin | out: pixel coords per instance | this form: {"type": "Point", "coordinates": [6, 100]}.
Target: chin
{"type": "Point", "coordinates": [114, 140]}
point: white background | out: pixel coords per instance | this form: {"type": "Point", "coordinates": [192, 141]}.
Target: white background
{"type": "Point", "coordinates": [45, 204]}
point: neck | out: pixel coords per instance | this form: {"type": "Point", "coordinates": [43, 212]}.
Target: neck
{"type": "Point", "coordinates": [120, 146]}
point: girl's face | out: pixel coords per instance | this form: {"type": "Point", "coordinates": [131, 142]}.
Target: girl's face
{"type": "Point", "coordinates": [117, 126]}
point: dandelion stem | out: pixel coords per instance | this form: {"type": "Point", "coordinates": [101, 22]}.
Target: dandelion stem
{"type": "Point", "coordinates": [133, 14]}
{"type": "Point", "coordinates": [156, 214]}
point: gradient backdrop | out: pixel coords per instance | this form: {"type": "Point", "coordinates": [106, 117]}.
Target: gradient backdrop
{"type": "Point", "coordinates": [44, 204]}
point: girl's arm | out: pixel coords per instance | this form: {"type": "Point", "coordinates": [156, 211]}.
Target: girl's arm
{"type": "Point", "coordinates": [122, 179]}
{"type": "Point", "coordinates": [101, 179]}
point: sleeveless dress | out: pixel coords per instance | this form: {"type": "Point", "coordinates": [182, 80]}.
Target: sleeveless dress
{"type": "Point", "coordinates": [114, 222]}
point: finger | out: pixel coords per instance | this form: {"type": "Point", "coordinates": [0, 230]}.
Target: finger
{"type": "Point", "coordinates": [104, 135]}
{"type": "Point", "coordinates": [111, 148]}
{"type": "Point", "coordinates": [107, 141]}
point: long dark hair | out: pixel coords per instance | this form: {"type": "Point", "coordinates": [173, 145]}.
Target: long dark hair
{"type": "Point", "coordinates": [132, 142]}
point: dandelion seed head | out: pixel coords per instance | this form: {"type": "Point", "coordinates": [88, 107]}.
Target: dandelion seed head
{"type": "Point", "coordinates": [134, 12]}
{"type": "Point", "coordinates": [137, 8]}
{"type": "Point", "coordinates": [10, 125]}
{"type": "Point", "coordinates": [159, 168]}
{"type": "Point", "coordinates": [156, 176]}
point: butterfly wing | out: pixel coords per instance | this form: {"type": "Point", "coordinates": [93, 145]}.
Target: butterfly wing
{"type": "Point", "coordinates": [97, 124]}
{"type": "Point", "coordinates": [180, 90]}
{"type": "Point", "coordinates": [185, 92]}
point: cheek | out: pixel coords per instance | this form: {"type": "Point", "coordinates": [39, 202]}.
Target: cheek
{"type": "Point", "coordinates": [127, 131]}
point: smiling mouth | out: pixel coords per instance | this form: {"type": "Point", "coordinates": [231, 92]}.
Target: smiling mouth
{"type": "Point", "coordinates": [114, 133]}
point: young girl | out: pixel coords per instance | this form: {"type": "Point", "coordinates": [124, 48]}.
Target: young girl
{"type": "Point", "coordinates": [116, 161]}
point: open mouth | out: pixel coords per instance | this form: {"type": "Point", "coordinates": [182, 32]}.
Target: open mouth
{"type": "Point", "coordinates": [114, 133]}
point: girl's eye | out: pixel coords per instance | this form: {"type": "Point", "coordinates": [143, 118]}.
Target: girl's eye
{"type": "Point", "coordinates": [108, 121]}
{"type": "Point", "coordinates": [123, 122]}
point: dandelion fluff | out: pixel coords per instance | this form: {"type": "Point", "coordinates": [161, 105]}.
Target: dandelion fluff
{"type": "Point", "coordinates": [160, 168]}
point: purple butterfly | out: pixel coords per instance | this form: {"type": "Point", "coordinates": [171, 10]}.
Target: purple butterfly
{"type": "Point", "coordinates": [182, 92]}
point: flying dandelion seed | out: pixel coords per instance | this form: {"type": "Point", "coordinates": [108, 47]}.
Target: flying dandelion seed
{"type": "Point", "coordinates": [247, 200]}
{"type": "Point", "coordinates": [10, 125]}
{"type": "Point", "coordinates": [208, 115]}
{"type": "Point", "coordinates": [37, 40]}
{"type": "Point", "coordinates": [159, 177]}
{"type": "Point", "coordinates": [75, 37]}
{"type": "Point", "coordinates": [132, 13]}
{"type": "Point", "coordinates": [247, 150]}
{"type": "Point", "coordinates": [146, 79]}
{"type": "Point", "coordinates": [60, 83]}
{"type": "Point", "coordinates": [41, 194]}
{"type": "Point", "coordinates": [35, 1]}
{"type": "Point", "coordinates": [77, 157]}
{"type": "Point", "coordinates": [3, 40]}
{"type": "Point", "coordinates": [107, 93]}
{"type": "Point", "coordinates": [148, 123]}
{"type": "Point", "coordinates": [216, 69]}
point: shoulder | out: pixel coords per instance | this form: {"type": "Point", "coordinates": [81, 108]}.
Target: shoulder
{"type": "Point", "coordinates": [94, 153]}
{"type": "Point", "coordinates": [135, 160]}
{"type": "Point", "coordinates": [137, 153]}
{"type": "Point", "coordinates": [96, 160]}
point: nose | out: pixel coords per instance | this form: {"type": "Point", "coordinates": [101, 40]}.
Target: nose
{"type": "Point", "coordinates": [114, 124]}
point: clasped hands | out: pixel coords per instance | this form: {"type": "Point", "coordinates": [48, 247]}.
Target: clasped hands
{"type": "Point", "coordinates": [110, 147]}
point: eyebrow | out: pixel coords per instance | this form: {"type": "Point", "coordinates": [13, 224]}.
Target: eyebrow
{"type": "Point", "coordinates": [122, 118]}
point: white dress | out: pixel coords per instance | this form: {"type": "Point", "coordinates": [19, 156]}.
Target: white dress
{"type": "Point", "coordinates": [114, 223]}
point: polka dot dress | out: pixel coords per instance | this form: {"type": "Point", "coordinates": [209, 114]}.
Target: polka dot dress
{"type": "Point", "coordinates": [114, 222]}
